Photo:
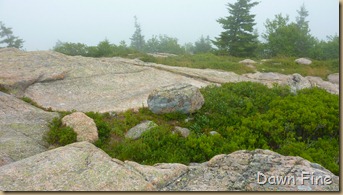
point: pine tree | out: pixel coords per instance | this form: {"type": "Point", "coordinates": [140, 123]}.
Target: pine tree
{"type": "Point", "coordinates": [305, 40]}
{"type": "Point", "coordinates": [6, 34]}
{"type": "Point", "coordinates": [137, 39]}
{"type": "Point", "coordinates": [239, 38]}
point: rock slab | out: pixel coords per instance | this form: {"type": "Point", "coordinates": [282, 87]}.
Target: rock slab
{"type": "Point", "coordinates": [182, 98]}
{"type": "Point", "coordinates": [84, 126]}
{"type": "Point", "coordinates": [83, 167]}
{"type": "Point", "coordinates": [22, 129]}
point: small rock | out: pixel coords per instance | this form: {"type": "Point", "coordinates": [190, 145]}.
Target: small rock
{"type": "Point", "coordinates": [136, 131]}
{"type": "Point", "coordinates": [247, 62]}
{"type": "Point", "coordinates": [184, 98]}
{"type": "Point", "coordinates": [214, 133]}
{"type": "Point", "coordinates": [84, 126]}
{"type": "Point", "coordinates": [183, 131]}
{"type": "Point", "coordinates": [303, 61]}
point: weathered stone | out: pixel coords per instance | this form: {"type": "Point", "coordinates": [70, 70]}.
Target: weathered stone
{"type": "Point", "coordinates": [334, 78]}
{"type": "Point", "coordinates": [247, 62]}
{"type": "Point", "coordinates": [136, 131]}
{"type": "Point", "coordinates": [65, 83]}
{"type": "Point", "coordinates": [303, 61]}
{"type": "Point", "coordinates": [83, 167]}
{"type": "Point", "coordinates": [84, 126]}
{"type": "Point", "coordinates": [182, 98]}
{"type": "Point", "coordinates": [183, 131]}
{"type": "Point", "coordinates": [160, 174]}
{"type": "Point", "coordinates": [238, 171]}
{"type": "Point", "coordinates": [297, 82]}
{"type": "Point", "coordinates": [76, 167]}
{"type": "Point", "coordinates": [328, 86]}
{"type": "Point", "coordinates": [22, 128]}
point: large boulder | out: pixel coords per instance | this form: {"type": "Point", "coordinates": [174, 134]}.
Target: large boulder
{"type": "Point", "coordinates": [22, 129]}
{"type": "Point", "coordinates": [303, 61]}
{"type": "Point", "coordinates": [136, 131]}
{"type": "Point", "coordinates": [183, 98]}
{"type": "Point", "coordinates": [84, 126]}
{"type": "Point", "coordinates": [83, 167]}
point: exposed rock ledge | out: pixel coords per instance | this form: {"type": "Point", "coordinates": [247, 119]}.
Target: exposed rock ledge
{"type": "Point", "coordinates": [65, 83]}
{"type": "Point", "coordinates": [83, 167]}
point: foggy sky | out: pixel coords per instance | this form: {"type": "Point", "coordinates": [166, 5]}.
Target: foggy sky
{"type": "Point", "coordinates": [41, 23]}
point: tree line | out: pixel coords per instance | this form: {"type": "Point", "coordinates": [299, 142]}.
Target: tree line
{"type": "Point", "coordinates": [282, 37]}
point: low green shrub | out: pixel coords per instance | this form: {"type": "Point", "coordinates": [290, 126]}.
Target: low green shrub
{"type": "Point", "coordinates": [246, 115]}
{"type": "Point", "coordinates": [60, 135]}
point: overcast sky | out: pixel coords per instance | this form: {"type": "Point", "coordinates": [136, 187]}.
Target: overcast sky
{"type": "Point", "coordinates": [42, 22]}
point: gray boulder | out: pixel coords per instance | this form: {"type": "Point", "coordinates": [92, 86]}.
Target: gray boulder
{"type": "Point", "coordinates": [183, 98]}
{"type": "Point", "coordinates": [84, 126]}
{"type": "Point", "coordinates": [297, 82]}
{"type": "Point", "coordinates": [183, 131]}
{"type": "Point", "coordinates": [22, 128]}
{"type": "Point", "coordinates": [247, 62]}
{"type": "Point", "coordinates": [136, 131]}
{"type": "Point", "coordinates": [334, 78]}
{"type": "Point", "coordinates": [303, 61]}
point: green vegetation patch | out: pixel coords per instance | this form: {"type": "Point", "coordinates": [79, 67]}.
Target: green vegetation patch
{"type": "Point", "coordinates": [246, 115]}
{"type": "Point", "coordinates": [283, 65]}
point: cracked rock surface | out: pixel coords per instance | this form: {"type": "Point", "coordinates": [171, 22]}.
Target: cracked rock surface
{"type": "Point", "coordinates": [66, 83]}
{"type": "Point", "coordinates": [83, 167]}
{"type": "Point", "coordinates": [22, 128]}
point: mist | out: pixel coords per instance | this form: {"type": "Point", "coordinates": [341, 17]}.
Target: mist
{"type": "Point", "coordinates": [41, 23]}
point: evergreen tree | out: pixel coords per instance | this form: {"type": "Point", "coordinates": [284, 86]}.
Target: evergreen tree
{"type": "Point", "coordinates": [203, 45]}
{"type": "Point", "coordinates": [289, 39]}
{"type": "Point", "coordinates": [238, 39]}
{"type": "Point", "coordinates": [7, 37]}
{"type": "Point", "coordinates": [137, 39]}
{"type": "Point", "coordinates": [305, 40]}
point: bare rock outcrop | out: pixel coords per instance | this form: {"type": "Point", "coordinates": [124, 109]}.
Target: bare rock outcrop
{"type": "Point", "coordinates": [84, 126]}
{"type": "Point", "coordinates": [83, 167]}
{"type": "Point", "coordinates": [65, 83]}
{"type": "Point", "coordinates": [22, 128]}
{"type": "Point", "coordinates": [183, 98]}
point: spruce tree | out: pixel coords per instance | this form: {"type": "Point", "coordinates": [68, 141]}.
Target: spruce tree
{"type": "Point", "coordinates": [239, 38]}
{"type": "Point", "coordinates": [137, 39]}
{"type": "Point", "coordinates": [305, 40]}
{"type": "Point", "coordinates": [6, 34]}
